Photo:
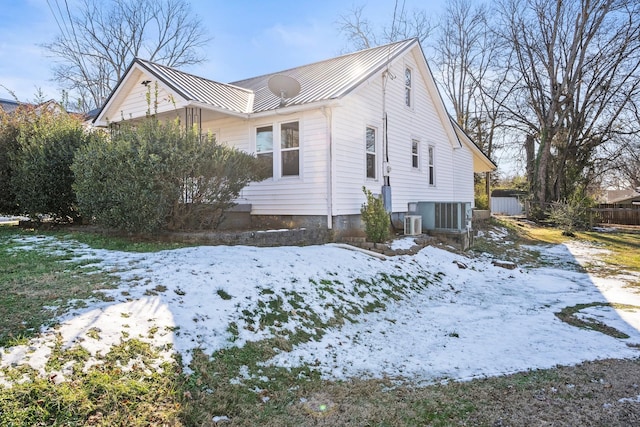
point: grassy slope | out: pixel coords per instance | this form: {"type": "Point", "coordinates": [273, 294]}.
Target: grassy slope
{"type": "Point", "coordinates": [233, 383]}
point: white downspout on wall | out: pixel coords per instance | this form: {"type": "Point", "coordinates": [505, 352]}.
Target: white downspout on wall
{"type": "Point", "coordinates": [330, 175]}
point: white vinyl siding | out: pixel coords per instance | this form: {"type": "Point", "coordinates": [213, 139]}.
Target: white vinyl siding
{"type": "Point", "coordinates": [364, 107]}
{"type": "Point", "coordinates": [135, 104]}
{"type": "Point", "coordinates": [305, 194]}
{"type": "Point", "coordinates": [359, 110]}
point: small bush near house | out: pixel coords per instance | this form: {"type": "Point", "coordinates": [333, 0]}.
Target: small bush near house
{"type": "Point", "coordinates": [571, 214]}
{"type": "Point", "coordinates": [121, 181]}
{"type": "Point", "coordinates": [210, 177]}
{"type": "Point", "coordinates": [156, 176]}
{"type": "Point", "coordinates": [41, 177]}
{"type": "Point", "coordinates": [375, 218]}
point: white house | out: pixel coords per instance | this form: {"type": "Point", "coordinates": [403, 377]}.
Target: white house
{"type": "Point", "coordinates": [372, 118]}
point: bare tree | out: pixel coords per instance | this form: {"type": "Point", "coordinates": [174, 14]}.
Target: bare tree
{"type": "Point", "coordinates": [99, 38]}
{"type": "Point", "coordinates": [623, 164]}
{"type": "Point", "coordinates": [466, 60]}
{"type": "Point", "coordinates": [466, 51]}
{"type": "Point", "coordinates": [362, 34]}
{"type": "Point", "coordinates": [461, 48]}
{"type": "Point", "coordinates": [576, 77]}
{"type": "Point", "coordinates": [357, 29]}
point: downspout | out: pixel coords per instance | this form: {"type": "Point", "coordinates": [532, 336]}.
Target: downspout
{"type": "Point", "coordinates": [385, 129]}
{"type": "Point", "coordinates": [330, 156]}
{"type": "Point", "coordinates": [386, 187]}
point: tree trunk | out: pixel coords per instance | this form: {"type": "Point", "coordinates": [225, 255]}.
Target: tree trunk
{"type": "Point", "coordinates": [542, 171]}
{"type": "Point", "coordinates": [529, 147]}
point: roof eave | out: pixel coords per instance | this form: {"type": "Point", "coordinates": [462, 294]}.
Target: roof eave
{"type": "Point", "coordinates": [292, 109]}
{"type": "Point", "coordinates": [484, 163]}
{"type": "Point", "coordinates": [203, 105]}
{"type": "Point", "coordinates": [97, 120]}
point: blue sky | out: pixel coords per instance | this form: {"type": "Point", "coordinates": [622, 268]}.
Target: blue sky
{"type": "Point", "coordinates": [249, 38]}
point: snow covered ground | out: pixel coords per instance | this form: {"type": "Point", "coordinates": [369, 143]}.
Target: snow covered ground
{"type": "Point", "coordinates": [482, 320]}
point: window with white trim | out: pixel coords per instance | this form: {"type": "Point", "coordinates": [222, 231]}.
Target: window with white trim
{"type": "Point", "coordinates": [415, 154]}
{"type": "Point", "coordinates": [432, 166]}
{"type": "Point", "coordinates": [264, 147]}
{"type": "Point", "coordinates": [290, 148]}
{"type": "Point", "coordinates": [370, 148]}
{"type": "Point", "coordinates": [407, 88]}
{"type": "Point", "coordinates": [278, 146]}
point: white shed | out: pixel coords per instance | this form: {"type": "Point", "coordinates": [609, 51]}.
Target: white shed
{"type": "Point", "coordinates": [508, 202]}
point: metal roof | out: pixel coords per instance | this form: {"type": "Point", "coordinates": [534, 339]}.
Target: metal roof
{"type": "Point", "coordinates": [328, 79]}
{"type": "Point", "coordinates": [8, 106]}
{"type": "Point", "coordinates": [319, 81]}
{"type": "Point", "coordinates": [194, 88]}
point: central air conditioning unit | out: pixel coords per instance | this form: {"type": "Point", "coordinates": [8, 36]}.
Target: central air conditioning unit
{"type": "Point", "coordinates": [412, 225]}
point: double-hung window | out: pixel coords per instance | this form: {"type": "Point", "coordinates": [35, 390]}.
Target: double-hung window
{"type": "Point", "coordinates": [415, 154]}
{"type": "Point", "coordinates": [432, 166]}
{"type": "Point", "coordinates": [290, 148]}
{"type": "Point", "coordinates": [408, 99]}
{"type": "Point", "coordinates": [370, 148]}
{"type": "Point", "coordinates": [279, 149]}
{"type": "Point", "coordinates": [264, 147]}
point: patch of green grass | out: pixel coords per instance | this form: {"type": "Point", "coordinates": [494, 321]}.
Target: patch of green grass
{"type": "Point", "coordinates": [515, 246]}
{"type": "Point", "coordinates": [522, 236]}
{"type": "Point", "coordinates": [624, 247]}
{"type": "Point", "coordinates": [436, 414]}
{"type": "Point", "coordinates": [231, 382]}
{"type": "Point", "coordinates": [36, 286]}
{"type": "Point", "coordinates": [20, 339]}
{"type": "Point", "coordinates": [224, 294]}
{"type": "Point", "coordinates": [153, 292]}
{"type": "Point", "coordinates": [122, 243]}
{"type": "Point", "coordinates": [568, 315]}
{"type": "Point", "coordinates": [105, 394]}
{"type": "Point", "coordinates": [94, 333]}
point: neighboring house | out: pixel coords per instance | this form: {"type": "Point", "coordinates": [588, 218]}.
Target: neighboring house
{"type": "Point", "coordinates": [508, 202]}
{"type": "Point", "coordinates": [621, 207]}
{"type": "Point", "coordinates": [622, 197]}
{"type": "Point", "coordinates": [8, 106]}
{"type": "Point", "coordinates": [372, 118]}
{"type": "Point", "coordinates": [51, 106]}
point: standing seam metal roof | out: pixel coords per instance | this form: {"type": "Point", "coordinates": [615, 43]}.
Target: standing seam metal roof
{"type": "Point", "coordinates": [319, 81]}
{"type": "Point", "coordinates": [328, 79]}
{"type": "Point", "coordinates": [194, 88]}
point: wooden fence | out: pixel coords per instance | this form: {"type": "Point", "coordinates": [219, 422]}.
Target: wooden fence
{"type": "Point", "coordinates": [615, 214]}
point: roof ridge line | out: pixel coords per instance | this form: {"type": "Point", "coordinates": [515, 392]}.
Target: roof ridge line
{"type": "Point", "coordinates": [192, 75]}
{"type": "Point", "coordinates": [387, 45]}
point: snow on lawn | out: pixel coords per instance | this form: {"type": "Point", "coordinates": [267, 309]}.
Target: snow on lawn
{"type": "Point", "coordinates": [450, 323]}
